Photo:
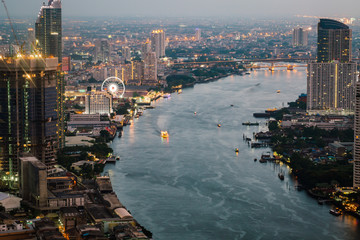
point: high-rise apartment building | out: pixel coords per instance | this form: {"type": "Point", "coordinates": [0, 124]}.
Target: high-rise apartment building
{"type": "Point", "coordinates": [158, 42]}
{"type": "Point", "coordinates": [197, 34]}
{"type": "Point", "coordinates": [102, 51]}
{"type": "Point", "coordinates": [330, 86]}
{"type": "Point", "coordinates": [31, 42]}
{"type": "Point", "coordinates": [300, 37]}
{"type": "Point", "coordinates": [356, 179]}
{"type": "Point", "coordinates": [331, 80]}
{"type": "Point", "coordinates": [48, 30]}
{"type": "Point", "coordinates": [150, 69]}
{"type": "Point", "coordinates": [30, 111]}
{"type": "Point", "coordinates": [334, 41]}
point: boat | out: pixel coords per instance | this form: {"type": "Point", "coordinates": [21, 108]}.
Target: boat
{"type": "Point", "coordinates": [164, 134]}
{"type": "Point", "coordinates": [250, 123]}
{"type": "Point", "coordinates": [265, 157]}
{"type": "Point", "coordinates": [117, 158]}
{"type": "Point", "coordinates": [278, 91]}
{"type": "Point", "coordinates": [247, 73]}
{"type": "Point", "coordinates": [255, 159]}
{"type": "Point", "coordinates": [195, 113]}
{"type": "Point", "coordinates": [281, 175]}
{"type": "Point", "coordinates": [179, 91]}
{"type": "Point", "coordinates": [167, 95]}
{"type": "Point", "coordinates": [120, 134]}
{"type": "Point", "coordinates": [290, 67]}
{"type": "Point", "coordinates": [335, 212]}
{"type": "Point", "coordinates": [236, 150]}
{"type": "Point", "coordinates": [231, 105]}
{"type": "Point", "coordinates": [219, 125]}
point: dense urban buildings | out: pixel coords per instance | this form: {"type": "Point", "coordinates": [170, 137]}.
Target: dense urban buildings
{"type": "Point", "coordinates": [332, 78]}
{"type": "Point", "coordinates": [48, 30]}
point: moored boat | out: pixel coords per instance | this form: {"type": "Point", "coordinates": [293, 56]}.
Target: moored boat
{"type": "Point", "coordinates": [164, 134]}
{"type": "Point", "coordinates": [335, 212]}
{"type": "Point", "coordinates": [281, 175]}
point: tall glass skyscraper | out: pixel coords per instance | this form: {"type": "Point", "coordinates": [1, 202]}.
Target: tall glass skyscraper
{"type": "Point", "coordinates": [48, 31]}
{"type": "Point", "coordinates": [334, 41]}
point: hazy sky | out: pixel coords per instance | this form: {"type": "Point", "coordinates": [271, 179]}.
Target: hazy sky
{"type": "Point", "coordinates": [178, 8]}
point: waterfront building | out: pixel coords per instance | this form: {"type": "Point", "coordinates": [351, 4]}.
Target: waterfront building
{"type": "Point", "coordinates": [300, 37]}
{"type": "Point", "coordinates": [102, 51]}
{"type": "Point", "coordinates": [331, 80]}
{"type": "Point", "coordinates": [48, 31]}
{"type": "Point", "coordinates": [334, 41]}
{"type": "Point", "coordinates": [158, 42]}
{"type": "Point", "coordinates": [31, 116]}
{"type": "Point", "coordinates": [356, 178]}
{"type": "Point", "coordinates": [98, 102]}
{"type": "Point", "coordinates": [150, 69]}
{"type": "Point", "coordinates": [330, 86]}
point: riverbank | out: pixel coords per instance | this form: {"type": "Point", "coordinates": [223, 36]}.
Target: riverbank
{"type": "Point", "coordinates": [314, 156]}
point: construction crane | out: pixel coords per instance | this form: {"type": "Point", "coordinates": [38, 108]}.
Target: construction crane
{"type": "Point", "coordinates": [11, 25]}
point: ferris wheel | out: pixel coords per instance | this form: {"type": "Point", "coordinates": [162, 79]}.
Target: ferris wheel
{"type": "Point", "coordinates": [115, 86]}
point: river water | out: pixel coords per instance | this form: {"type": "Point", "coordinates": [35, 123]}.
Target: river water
{"type": "Point", "coordinates": [193, 185]}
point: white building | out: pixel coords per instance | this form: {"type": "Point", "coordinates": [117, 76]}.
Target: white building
{"type": "Point", "coordinates": [9, 202]}
{"type": "Point", "coordinates": [98, 102]}
{"type": "Point", "coordinates": [331, 87]}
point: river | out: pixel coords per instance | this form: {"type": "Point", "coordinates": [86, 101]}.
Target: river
{"type": "Point", "coordinates": [193, 185]}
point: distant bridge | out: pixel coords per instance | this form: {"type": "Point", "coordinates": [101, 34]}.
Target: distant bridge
{"type": "Point", "coordinates": [270, 60]}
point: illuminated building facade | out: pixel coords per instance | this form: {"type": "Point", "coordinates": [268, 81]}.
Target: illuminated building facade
{"type": "Point", "coordinates": [330, 86]}
{"type": "Point", "coordinates": [30, 117]}
{"type": "Point", "coordinates": [300, 37]}
{"type": "Point", "coordinates": [48, 31]}
{"type": "Point", "coordinates": [150, 69]}
{"type": "Point", "coordinates": [158, 42]}
{"type": "Point", "coordinates": [98, 102]}
{"type": "Point", "coordinates": [334, 41]}
{"type": "Point", "coordinates": [331, 80]}
{"type": "Point", "coordinates": [356, 179]}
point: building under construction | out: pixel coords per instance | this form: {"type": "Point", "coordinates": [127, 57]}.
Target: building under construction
{"type": "Point", "coordinates": [30, 111]}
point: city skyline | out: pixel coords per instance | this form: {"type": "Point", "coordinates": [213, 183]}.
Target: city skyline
{"type": "Point", "coordinates": [197, 8]}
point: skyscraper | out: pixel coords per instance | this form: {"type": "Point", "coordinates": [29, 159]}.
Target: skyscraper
{"type": "Point", "coordinates": [334, 41]}
{"type": "Point", "coordinates": [29, 115]}
{"type": "Point", "coordinates": [356, 179]}
{"type": "Point", "coordinates": [197, 34]}
{"type": "Point", "coordinates": [150, 69]}
{"type": "Point", "coordinates": [158, 42]}
{"type": "Point", "coordinates": [102, 51]}
{"type": "Point", "coordinates": [300, 37]}
{"type": "Point", "coordinates": [48, 31]}
{"type": "Point", "coordinates": [331, 80]}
